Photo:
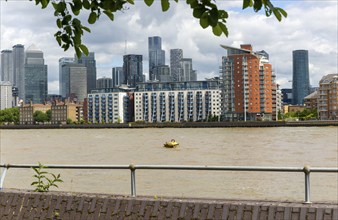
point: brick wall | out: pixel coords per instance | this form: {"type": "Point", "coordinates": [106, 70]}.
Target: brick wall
{"type": "Point", "coordinates": [19, 204]}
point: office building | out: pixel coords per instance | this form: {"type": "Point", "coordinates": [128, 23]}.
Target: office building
{"type": "Point", "coordinates": [18, 69]}
{"type": "Point", "coordinates": [177, 101]}
{"type": "Point", "coordinates": [6, 73]}
{"type": "Point", "coordinates": [286, 96]}
{"type": "Point", "coordinates": [74, 77]}
{"type": "Point", "coordinates": [133, 69]}
{"type": "Point", "coordinates": [176, 69]}
{"type": "Point", "coordinates": [162, 73]}
{"type": "Point", "coordinates": [300, 77]}
{"type": "Point", "coordinates": [104, 82]}
{"type": "Point", "coordinates": [248, 84]}
{"type": "Point", "coordinates": [118, 76]}
{"type": "Point", "coordinates": [36, 77]}
{"type": "Point", "coordinates": [188, 74]}
{"type": "Point", "coordinates": [90, 64]}
{"type": "Point", "coordinates": [156, 55]}
{"type": "Point", "coordinates": [63, 77]}
{"type": "Point", "coordinates": [328, 97]}
{"type": "Point", "coordinates": [5, 95]}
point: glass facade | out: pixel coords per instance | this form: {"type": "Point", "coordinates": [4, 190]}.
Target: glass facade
{"type": "Point", "coordinates": [300, 77]}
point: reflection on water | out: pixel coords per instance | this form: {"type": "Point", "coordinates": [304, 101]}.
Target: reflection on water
{"type": "Point", "coordinates": [315, 146]}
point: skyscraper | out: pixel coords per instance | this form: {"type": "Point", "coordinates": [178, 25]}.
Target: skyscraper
{"type": "Point", "coordinates": [64, 76]}
{"type": "Point", "coordinates": [118, 76]}
{"type": "Point", "coordinates": [36, 79]}
{"type": "Point", "coordinates": [188, 74]}
{"type": "Point", "coordinates": [6, 73]}
{"type": "Point", "coordinates": [18, 69]}
{"type": "Point", "coordinates": [90, 63]}
{"type": "Point", "coordinates": [248, 84]}
{"type": "Point", "coordinates": [176, 69]}
{"type": "Point", "coordinates": [300, 76]}
{"type": "Point", "coordinates": [133, 69]}
{"type": "Point", "coordinates": [5, 95]}
{"type": "Point", "coordinates": [104, 83]}
{"type": "Point", "coordinates": [156, 54]}
{"type": "Point", "coordinates": [74, 78]}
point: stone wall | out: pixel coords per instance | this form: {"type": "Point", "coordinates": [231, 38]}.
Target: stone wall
{"type": "Point", "coordinates": [19, 204]}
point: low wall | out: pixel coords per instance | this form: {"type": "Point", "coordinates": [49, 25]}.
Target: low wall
{"type": "Point", "coordinates": [20, 204]}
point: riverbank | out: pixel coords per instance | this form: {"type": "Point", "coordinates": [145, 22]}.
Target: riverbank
{"type": "Point", "coordinates": [23, 204]}
{"type": "Point", "coordinates": [179, 125]}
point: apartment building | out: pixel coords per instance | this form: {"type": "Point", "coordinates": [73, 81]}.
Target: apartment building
{"type": "Point", "coordinates": [248, 85]}
{"type": "Point", "coordinates": [61, 112]}
{"type": "Point", "coordinates": [108, 107]}
{"type": "Point", "coordinates": [26, 112]}
{"type": "Point", "coordinates": [177, 101]}
{"type": "Point", "coordinates": [328, 97]}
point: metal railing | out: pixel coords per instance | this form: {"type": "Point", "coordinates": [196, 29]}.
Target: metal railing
{"type": "Point", "coordinates": [306, 170]}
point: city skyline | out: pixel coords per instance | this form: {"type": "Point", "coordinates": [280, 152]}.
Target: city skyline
{"type": "Point", "coordinates": [305, 28]}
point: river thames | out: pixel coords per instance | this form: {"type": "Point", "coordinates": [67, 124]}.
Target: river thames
{"type": "Point", "coordinates": [277, 147]}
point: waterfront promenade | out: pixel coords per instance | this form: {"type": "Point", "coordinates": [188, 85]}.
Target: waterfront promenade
{"type": "Point", "coordinates": [181, 125]}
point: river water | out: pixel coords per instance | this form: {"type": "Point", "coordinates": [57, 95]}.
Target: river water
{"type": "Point", "coordinates": [280, 146]}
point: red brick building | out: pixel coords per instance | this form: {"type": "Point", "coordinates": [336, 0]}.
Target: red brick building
{"type": "Point", "coordinates": [248, 84]}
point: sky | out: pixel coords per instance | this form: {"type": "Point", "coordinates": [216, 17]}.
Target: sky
{"type": "Point", "coordinates": [311, 25]}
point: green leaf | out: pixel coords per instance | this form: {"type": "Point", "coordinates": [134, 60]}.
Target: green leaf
{"type": "Point", "coordinates": [223, 28]}
{"type": "Point", "coordinates": [78, 52]}
{"type": "Point", "coordinates": [165, 5]}
{"type": "Point", "coordinates": [149, 2]}
{"type": "Point", "coordinates": [86, 52]}
{"type": "Point", "coordinates": [86, 4]}
{"type": "Point", "coordinates": [204, 21]}
{"type": "Point", "coordinates": [282, 12]}
{"type": "Point", "coordinates": [92, 18]}
{"type": "Point", "coordinates": [247, 3]}
{"type": "Point", "coordinates": [85, 28]}
{"type": "Point", "coordinates": [59, 23]}
{"type": "Point", "coordinates": [34, 183]}
{"type": "Point", "coordinates": [217, 30]}
{"type": "Point", "coordinates": [130, 1]}
{"type": "Point", "coordinates": [277, 14]}
{"type": "Point", "coordinates": [198, 12]}
{"type": "Point", "coordinates": [44, 3]}
{"type": "Point", "coordinates": [257, 5]}
{"type": "Point", "coordinates": [109, 14]}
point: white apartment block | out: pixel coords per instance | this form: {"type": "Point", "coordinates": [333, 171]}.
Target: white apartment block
{"type": "Point", "coordinates": [177, 106]}
{"type": "Point", "coordinates": [5, 95]}
{"type": "Point", "coordinates": [111, 107]}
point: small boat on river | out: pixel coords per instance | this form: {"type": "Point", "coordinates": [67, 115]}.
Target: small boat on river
{"type": "Point", "coordinates": [171, 144]}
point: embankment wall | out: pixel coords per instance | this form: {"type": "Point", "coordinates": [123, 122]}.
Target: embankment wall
{"type": "Point", "coordinates": [21, 204]}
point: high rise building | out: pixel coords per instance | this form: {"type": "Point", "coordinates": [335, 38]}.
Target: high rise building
{"type": "Point", "coordinates": [5, 95]}
{"type": "Point", "coordinates": [162, 73]}
{"type": "Point", "coordinates": [300, 77]}
{"type": "Point", "coordinates": [188, 74]}
{"type": "Point", "coordinates": [156, 54]}
{"type": "Point", "coordinates": [75, 81]}
{"type": "Point", "coordinates": [18, 69]}
{"type": "Point", "coordinates": [63, 76]}
{"type": "Point", "coordinates": [6, 73]}
{"type": "Point", "coordinates": [104, 83]}
{"type": "Point", "coordinates": [118, 76]}
{"type": "Point", "coordinates": [90, 63]}
{"type": "Point", "coordinates": [133, 69]}
{"type": "Point", "coordinates": [36, 79]}
{"type": "Point", "coordinates": [176, 56]}
{"type": "Point", "coordinates": [248, 85]}
{"type": "Point", "coordinates": [328, 97]}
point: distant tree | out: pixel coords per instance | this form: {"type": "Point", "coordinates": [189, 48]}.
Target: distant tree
{"type": "Point", "coordinates": [39, 116]}
{"type": "Point", "coordinates": [9, 115]}
{"type": "Point", "coordinates": [71, 30]}
{"type": "Point", "coordinates": [69, 121]}
{"type": "Point", "coordinates": [49, 115]}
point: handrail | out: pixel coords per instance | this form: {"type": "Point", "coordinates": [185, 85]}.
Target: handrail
{"type": "Point", "coordinates": [306, 170]}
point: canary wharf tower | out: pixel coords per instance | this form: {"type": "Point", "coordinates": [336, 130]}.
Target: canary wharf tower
{"type": "Point", "coordinates": [300, 77]}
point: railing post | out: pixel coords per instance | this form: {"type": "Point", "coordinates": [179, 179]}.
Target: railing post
{"type": "Point", "coordinates": [306, 170]}
{"type": "Point", "coordinates": [3, 175]}
{"type": "Point", "coordinates": [132, 180]}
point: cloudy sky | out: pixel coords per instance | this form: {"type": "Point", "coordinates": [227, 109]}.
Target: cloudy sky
{"type": "Point", "coordinates": [311, 25]}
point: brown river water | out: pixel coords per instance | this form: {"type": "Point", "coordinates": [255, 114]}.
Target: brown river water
{"type": "Point", "coordinates": [278, 147]}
